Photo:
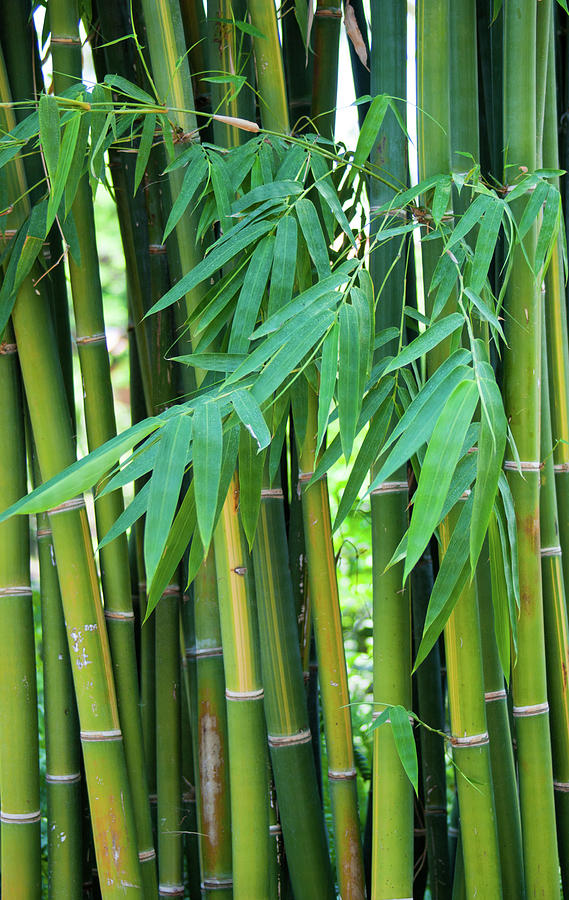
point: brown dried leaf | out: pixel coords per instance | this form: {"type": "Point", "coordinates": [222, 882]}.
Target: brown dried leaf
{"type": "Point", "coordinates": [354, 33]}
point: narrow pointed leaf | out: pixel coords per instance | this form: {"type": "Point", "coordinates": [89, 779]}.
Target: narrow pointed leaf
{"type": "Point", "coordinates": [328, 371]}
{"type": "Point", "coordinates": [349, 401]}
{"type": "Point", "coordinates": [49, 132]}
{"type": "Point", "coordinates": [313, 235]}
{"type": "Point", "coordinates": [251, 464]}
{"type": "Point", "coordinates": [369, 130]}
{"type": "Point", "coordinates": [252, 418]}
{"type": "Point", "coordinates": [130, 515]}
{"type": "Point", "coordinates": [144, 148]}
{"type": "Point", "coordinates": [251, 295]}
{"type": "Point", "coordinates": [282, 275]}
{"type": "Point", "coordinates": [183, 525]}
{"type": "Point", "coordinates": [405, 743]}
{"type": "Point", "coordinates": [427, 341]}
{"type": "Point", "coordinates": [208, 448]}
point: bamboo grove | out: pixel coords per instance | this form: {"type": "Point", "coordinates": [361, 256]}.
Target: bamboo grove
{"type": "Point", "coordinates": [292, 303]}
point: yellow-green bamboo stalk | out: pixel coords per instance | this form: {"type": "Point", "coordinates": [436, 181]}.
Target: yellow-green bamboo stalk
{"type": "Point", "coordinates": [245, 717]}
{"type": "Point", "coordinates": [332, 666]}
{"type": "Point", "coordinates": [19, 762]}
{"type": "Point", "coordinates": [269, 66]}
{"type": "Point", "coordinates": [522, 401]}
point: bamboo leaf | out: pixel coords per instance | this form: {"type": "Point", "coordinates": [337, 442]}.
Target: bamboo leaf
{"type": "Point", "coordinates": [251, 464]}
{"type": "Point", "coordinates": [313, 235]}
{"type": "Point", "coordinates": [165, 486]}
{"type": "Point", "coordinates": [275, 190]}
{"type": "Point", "coordinates": [251, 295]}
{"type": "Point", "coordinates": [65, 159]}
{"type": "Point", "coordinates": [251, 417]}
{"type": "Point", "coordinates": [452, 578]}
{"type": "Point", "coordinates": [284, 265]}
{"type": "Point", "coordinates": [485, 312]}
{"type": "Point", "coordinates": [328, 371]}
{"type": "Point", "coordinates": [486, 245]}
{"type": "Point", "coordinates": [471, 217]}
{"type": "Point", "coordinates": [130, 515]}
{"type": "Point", "coordinates": [369, 131]}
{"type": "Point", "coordinates": [215, 260]}
{"type": "Point", "coordinates": [510, 513]}
{"type": "Point", "coordinates": [491, 446]}
{"type": "Point", "coordinates": [330, 197]}
{"type": "Point", "coordinates": [77, 166]}
{"type": "Point", "coordinates": [212, 362]}
{"type": "Point", "coordinates": [548, 230]}
{"type": "Point", "coordinates": [222, 191]}
{"type": "Point", "coordinates": [405, 743]}
{"type": "Point", "coordinates": [366, 456]}
{"type": "Point", "coordinates": [144, 148]}
{"type": "Point", "coordinates": [118, 83]}
{"type": "Point", "coordinates": [441, 199]}
{"type": "Point", "coordinates": [83, 474]}
{"type": "Point", "coordinates": [207, 450]}
{"type": "Point", "coordinates": [49, 133]}
{"type": "Point", "coordinates": [533, 207]}
{"type": "Point", "coordinates": [349, 401]}
{"type": "Point", "coordinates": [183, 525]}
{"type": "Point", "coordinates": [365, 328]}
{"type": "Point", "coordinates": [443, 452]}
{"type": "Point", "coordinates": [427, 341]}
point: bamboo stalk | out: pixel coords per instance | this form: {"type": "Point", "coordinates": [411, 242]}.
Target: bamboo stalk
{"type": "Point", "coordinates": [327, 22]}
{"type": "Point", "coordinates": [269, 65]}
{"type": "Point", "coordinates": [521, 393]}
{"type": "Point", "coordinates": [332, 665]}
{"type": "Point", "coordinates": [244, 694]}
{"type": "Point", "coordinates": [290, 739]}
{"type": "Point", "coordinates": [19, 763]}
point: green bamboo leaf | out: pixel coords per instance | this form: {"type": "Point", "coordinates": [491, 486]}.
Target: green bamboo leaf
{"type": "Point", "coordinates": [508, 572]}
{"type": "Point", "coordinates": [77, 167]}
{"type": "Point", "coordinates": [15, 141]}
{"type": "Point", "coordinates": [49, 133]}
{"type": "Point", "coordinates": [369, 131]}
{"type": "Point", "coordinates": [217, 299]}
{"type": "Point", "coordinates": [384, 337]}
{"type": "Point", "coordinates": [65, 159]}
{"type": "Point", "coordinates": [130, 515]}
{"type": "Point", "coordinates": [444, 280]}
{"type": "Point", "coordinates": [548, 230]}
{"type": "Point", "coordinates": [330, 197]}
{"type": "Point", "coordinates": [290, 354]}
{"type": "Point", "coordinates": [120, 84]}
{"type": "Point", "coordinates": [165, 486]}
{"type": "Point", "coordinates": [371, 403]}
{"type": "Point", "coordinates": [296, 307]}
{"type": "Point", "coordinates": [251, 464]}
{"type": "Point", "coordinates": [471, 217]}
{"type": "Point", "coordinates": [485, 312]}
{"type": "Point", "coordinates": [228, 463]}
{"type": "Point", "coordinates": [138, 464]}
{"type": "Point", "coordinates": [33, 243]}
{"type": "Point", "coordinates": [366, 328]}
{"type": "Point", "coordinates": [405, 743]}
{"type": "Point", "coordinates": [215, 260]}
{"type": "Point", "coordinates": [533, 207]}
{"type": "Point", "coordinates": [251, 417]}
{"type": "Point", "coordinates": [251, 295]}
{"type": "Point", "coordinates": [275, 190]}
{"type": "Point", "coordinates": [328, 371]}
{"type": "Point", "coordinates": [207, 449]}
{"type": "Point", "coordinates": [491, 446]}
{"type": "Point", "coordinates": [313, 235]}
{"type": "Point", "coordinates": [144, 148]}
{"type": "Point", "coordinates": [184, 524]}
{"type": "Point", "coordinates": [441, 199]}
{"type": "Point", "coordinates": [222, 191]}
{"type": "Point", "coordinates": [83, 474]}
{"type": "Point", "coordinates": [349, 398]}
{"type": "Point", "coordinates": [284, 265]}
{"type": "Point", "coordinates": [427, 341]}
{"type": "Point", "coordinates": [279, 435]}
{"type": "Point", "coordinates": [8, 292]}
{"type": "Point", "coordinates": [212, 362]}
{"type": "Point", "coordinates": [452, 578]}
{"type": "Point", "coordinates": [443, 452]}
{"type": "Point", "coordinates": [486, 245]}
{"type": "Point", "coordinates": [366, 456]}
{"type": "Point", "coordinates": [510, 514]}
{"type": "Point", "coordinates": [380, 719]}
{"type": "Point", "coordinates": [500, 603]}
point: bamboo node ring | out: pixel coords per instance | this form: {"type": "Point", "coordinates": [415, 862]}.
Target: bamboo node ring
{"type": "Point", "coordinates": [67, 506]}
{"type": "Point", "coordinates": [171, 890]}
{"type": "Point", "coordinates": [92, 338]}
{"type": "Point", "coordinates": [489, 696]}
{"type": "Point", "coordinates": [341, 774]}
{"type": "Point", "coordinates": [216, 884]}
{"type": "Point", "coordinates": [538, 709]}
{"type": "Point", "coordinates": [561, 467]}
{"type": "Point", "coordinates": [272, 492]}
{"type": "Point", "coordinates": [550, 551]}
{"type": "Point", "coordinates": [114, 734]}
{"type": "Point", "coordinates": [470, 740]}
{"type": "Point", "coordinates": [562, 786]}
{"type": "Point", "coordinates": [275, 829]}
{"type": "Point", "coordinates": [66, 39]}
{"type": "Point", "coordinates": [391, 487]}
{"type": "Point", "coordinates": [119, 615]}
{"type": "Point", "coordinates": [305, 476]}
{"type": "Point", "coordinates": [396, 212]}
{"type": "Point", "coordinates": [18, 590]}
{"type": "Point", "coordinates": [43, 533]}
{"type": "Point", "coordinates": [72, 778]}
{"type": "Point", "coordinates": [330, 11]}
{"type": "Point", "coordinates": [201, 652]}
{"type": "Point", "coordinates": [245, 695]}
{"type": "Point", "coordinates": [525, 465]}
{"type": "Point", "coordinates": [156, 248]}
{"type": "Point", "coordinates": [7, 349]}
{"type": "Point", "coordinates": [435, 811]}
{"type": "Point", "coordinates": [147, 855]}
{"type": "Point", "coordinates": [20, 818]}
{"type": "Point", "coordinates": [289, 740]}
{"type": "Point", "coordinates": [173, 590]}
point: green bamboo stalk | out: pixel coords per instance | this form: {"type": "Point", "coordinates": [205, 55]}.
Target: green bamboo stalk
{"type": "Point", "coordinates": [229, 50]}
{"type": "Point", "coordinates": [214, 810]}
{"type": "Point", "coordinates": [244, 694]}
{"type": "Point", "coordinates": [269, 66]}
{"type": "Point", "coordinates": [501, 750]}
{"type": "Point", "coordinates": [290, 739]}
{"type": "Point", "coordinates": [298, 69]}
{"type": "Point", "coordinates": [556, 624]}
{"type": "Point", "coordinates": [332, 666]}
{"type": "Point", "coordinates": [63, 754]}
{"type": "Point", "coordinates": [101, 426]}
{"type": "Point", "coordinates": [521, 393]}
{"type": "Point", "coordinates": [190, 785]}
{"type": "Point", "coordinates": [431, 712]}
{"type": "Point", "coordinates": [19, 762]}
{"type": "Point", "coordinates": [327, 22]}
{"type": "Point", "coordinates": [392, 858]}
{"type": "Point", "coordinates": [360, 69]}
